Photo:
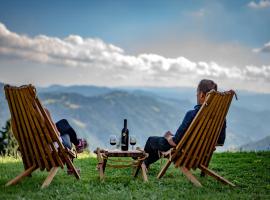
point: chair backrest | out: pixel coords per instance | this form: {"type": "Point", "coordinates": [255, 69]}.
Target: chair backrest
{"type": "Point", "coordinates": [33, 129]}
{"type": "Point", "coordinates": [198, 144]}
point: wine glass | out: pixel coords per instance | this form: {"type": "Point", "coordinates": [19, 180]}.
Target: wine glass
{"type": "Point", "coordinates": [132, 141]}
{"type": "Point", "coordinates": [113, 140]}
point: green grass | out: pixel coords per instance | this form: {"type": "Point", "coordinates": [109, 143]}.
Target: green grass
{"type": "Point", "coordinates": [249, 171]}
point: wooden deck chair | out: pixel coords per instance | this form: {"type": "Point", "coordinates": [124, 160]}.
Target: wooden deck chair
{"type": "Point", "coordinates": [36, 134]}
{"type": "Point", "coordinates": [196, 147]}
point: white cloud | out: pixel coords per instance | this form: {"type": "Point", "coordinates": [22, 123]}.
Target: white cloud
{"type": "Point", "coordinates": [265, 48]}
{"type": "Point", "coordinates": [260, 5]}
{"type": "Point", "coordinates": [113, 63]}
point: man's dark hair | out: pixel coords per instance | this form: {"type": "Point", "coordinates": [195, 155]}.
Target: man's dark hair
{"type": "Point", "coordinates": [206, 85]}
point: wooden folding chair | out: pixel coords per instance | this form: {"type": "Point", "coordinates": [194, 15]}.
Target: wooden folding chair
{"type": "Point", "coordinates": [36, 134]}
{"type": "Point", "coordinates": [196, 147]}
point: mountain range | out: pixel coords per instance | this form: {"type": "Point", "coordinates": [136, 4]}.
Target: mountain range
{"type": "Point", "coordinates": [261, 145]}
{"type": "Point", "coordinates": [98, 112]}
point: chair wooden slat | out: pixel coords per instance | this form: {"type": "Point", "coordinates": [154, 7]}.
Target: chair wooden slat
{"type": "Point", "coordinates": [208, 133]}
{"type": "Point", "coordinates": [204, 135]}
{"type": "Point", "coordinates": [29, 131]}
{"type": "Point", "coordinates": [15, 126]}
{"type": "Point", "coordinates": [198, 144]}
{"type": "Point", "coordinates": [200, 134]}
{"type": "Point", "coordinates": [36, 134]}
{"type": "Point", "coordinates": [199, 123]}
{"type": "Point", "coordinates": [227, 99]}
{"type": "Point", "coordinates": [51, 131]}
{"type": "Point", "coordinates": [48, 128]}
{"type": "Point", "coordinates": [37, 141]}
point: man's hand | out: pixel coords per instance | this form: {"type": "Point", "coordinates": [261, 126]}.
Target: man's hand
{"type": "Point", "coordinates": [169, 137]}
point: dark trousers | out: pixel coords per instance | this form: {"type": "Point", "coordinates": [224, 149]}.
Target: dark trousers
{"type": "Point", "coordinates": [153, 146]}
{"type": "Point", "coordinates": [67, 133]}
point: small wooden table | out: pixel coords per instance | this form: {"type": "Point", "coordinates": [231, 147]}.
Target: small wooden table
{"type": "Point", "coordinates": [137, 155]}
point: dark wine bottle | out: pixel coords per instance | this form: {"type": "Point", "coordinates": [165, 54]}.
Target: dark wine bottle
{"type": "Point", "coordinates": [124, 137]}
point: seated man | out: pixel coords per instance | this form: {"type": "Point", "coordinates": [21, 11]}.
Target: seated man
{"type": "Point", "coordinates": [155, 144]}
{"type": "Point", "coordinates": [68, 137]}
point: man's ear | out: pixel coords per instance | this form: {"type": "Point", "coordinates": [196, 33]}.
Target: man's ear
{"type": "Point", "coordinates": [202, 96]}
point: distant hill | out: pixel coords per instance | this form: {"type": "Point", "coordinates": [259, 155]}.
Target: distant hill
{"type": "Point", "coordinates": [261, 145]}
{"type": "Point", "coordinates": [99, 117]}
{"type": "Point", "coordinates": [97, 112]}
{"type": "Point", "coordinates": [88, 91]}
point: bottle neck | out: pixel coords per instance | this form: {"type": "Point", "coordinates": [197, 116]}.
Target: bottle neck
{"type": "Point", "coordinates": [125, 124]}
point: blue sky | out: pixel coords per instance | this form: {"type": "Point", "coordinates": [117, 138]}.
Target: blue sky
{"type": "Point", "coordinates": [123, 20]}
{"type": "Point", "coordinates": [224, 40]}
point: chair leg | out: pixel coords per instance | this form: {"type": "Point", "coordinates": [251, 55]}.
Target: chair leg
{"type": "Point", "coordinates": [190, 176]}
{"type": "Point", "coordinates": [144, 174]}
{"type": "Point", "coordinates": [164, 169]}
{"type": "Point", "coordinates": [50, 177]}
{"type": "Point", "coordinates": [215, 175]}
{"type": "Point", "coordinates": [20, 176]}
{"type": "Point", "coordinates": [70, 165]}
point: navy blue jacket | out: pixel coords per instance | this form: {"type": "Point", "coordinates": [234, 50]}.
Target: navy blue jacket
{"type": "Point", "coordinates": [187, 121]}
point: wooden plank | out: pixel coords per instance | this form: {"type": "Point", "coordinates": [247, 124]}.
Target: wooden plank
{"type": "Point", "coordinates": [100, 164]}
{"type": "Point", "coordinates": [52, 134]}
{"type": "Point", "coordinates": [192, 125]}
{"type": "Point", "coordinates": [190, 177]}
{"type": "Point", "coordinates": [210, 134]}
{"type": "Point", "coordinates": [198, 123]}
{"type": "Point", "coordinates": [207, 133]}
{"type": "Point", "coordinates": [215, 175]}
{"type": "Point", "coordinates": [27, 129]}
{"type": "Point", "coordinates": [144, 172]}
{"type": "Point", "coordinates": [22, 175]}
{"type": "Point", "coordinates": [25, 149]}
{"type": "Point", "coordinates": [199, 135]}
{"type": "Point", "coordinates": [215, 130]}
{"type": "Point", "coordinates": [138, 167]}
{"type": "Point", "coordinates": [42, 144]}
{"type": "Point", "coordinates": [50, 177]}
{"type": "Point", "coordinates": [211, 147]}
{"type": "Point", "coordinates": [26, 161]}
{"type": "Point", "coordinates": [37, 133]}
{"type": "Point", "coordinates": [37, 121]}
{"type": "Point", "coordinates": [200, 146]}
{"type": "Point", "coordinates": [164, 169]}
{"type": "Point", "coordinates": [119, 153]}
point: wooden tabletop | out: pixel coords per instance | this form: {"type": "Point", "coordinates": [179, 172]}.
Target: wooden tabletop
{"type": "Point", "coordinates": [120, 153]}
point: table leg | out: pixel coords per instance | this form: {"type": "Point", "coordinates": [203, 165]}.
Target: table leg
{"type": "Point", "coordinates": [138, 167]}
{"type": "Point", "coordinates": [101, 172]}
{"type": "Point", "coordinates": [101, 164]}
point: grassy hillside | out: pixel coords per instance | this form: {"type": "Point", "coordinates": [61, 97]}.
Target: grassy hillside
{"type": "Point", "coordinates": [249, 171]}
